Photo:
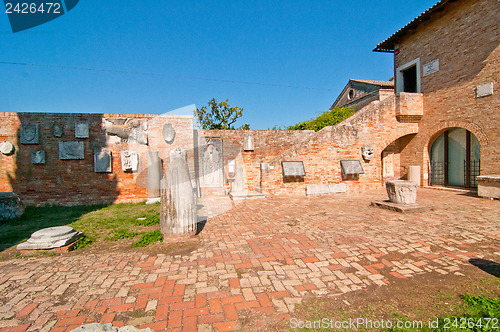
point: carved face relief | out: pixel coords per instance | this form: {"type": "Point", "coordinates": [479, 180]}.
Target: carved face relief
{"type": "Point", "coordinates": [57, 130]}
{"type": "Point", "coordinates": [367, 152]}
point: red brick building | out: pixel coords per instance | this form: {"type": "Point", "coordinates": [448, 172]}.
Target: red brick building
{"type": "Point", "coordinates": [451, 55]}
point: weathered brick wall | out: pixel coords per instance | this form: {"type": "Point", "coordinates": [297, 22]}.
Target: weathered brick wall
{"type": "Point", "coordinates": [267, 145]}
{"type": "Point", "coordinates": [465, 38]}
{"type": "Point", "coordinates": [321, 154]}
{"type": "Point", "coordinates": [74, 181]}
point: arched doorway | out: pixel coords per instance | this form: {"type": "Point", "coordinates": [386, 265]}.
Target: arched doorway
{"type": "Point", "coordinates": [455, 158]}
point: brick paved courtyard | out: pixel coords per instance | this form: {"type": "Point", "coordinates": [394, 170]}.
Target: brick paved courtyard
{"type": "Point", "coordinates": [260, 257]}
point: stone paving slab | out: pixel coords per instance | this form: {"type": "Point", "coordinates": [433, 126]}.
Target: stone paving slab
{"type": "Point", "coordinates": [259, 257]}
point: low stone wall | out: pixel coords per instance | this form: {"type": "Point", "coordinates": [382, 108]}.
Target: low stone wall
{"type": "Point", "coordinates": [488, 186]}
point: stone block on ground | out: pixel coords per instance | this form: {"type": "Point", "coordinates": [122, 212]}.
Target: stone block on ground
{"type": "Point", "coordinates": [401, 191]}
{"type": "Point", "coordinates": [11, 206]}
{"type": "Point", "coordinates": [96, 327]}
{"type": "Point", "coordinates": [50, 238]}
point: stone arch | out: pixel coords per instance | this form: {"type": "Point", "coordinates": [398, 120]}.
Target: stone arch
{"type": "Point", "coordinates": [397, 134]}
{"type": "Point", "coordinates": [441, 127]}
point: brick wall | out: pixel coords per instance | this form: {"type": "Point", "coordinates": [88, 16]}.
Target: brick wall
{"type": "Point", "coordinates": [375, 124]}
{"type": "Point", "coordinates": [465, 37]}
{"type": "Point", "coordinates": [70, 182]}
{"type": "Point", "coordinates": [267, 145]}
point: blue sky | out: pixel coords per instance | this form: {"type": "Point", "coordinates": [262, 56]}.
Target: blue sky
{"type": "Point", "coordinates": [317, 45]}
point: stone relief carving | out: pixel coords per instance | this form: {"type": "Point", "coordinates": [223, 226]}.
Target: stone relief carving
{"type": "Point", "coordinates": [103, 162]}
{"type": "Point", "coordinates": [168, 133]}
{"type": "Point", "coordinates": [29, 133]}
{"type": "Point", "coordinates": [130, 161]}
{"type": "Point", "coordinates": [81, 129]}
{"type": "Point", "coordinates": [127, 130]}
{"type": "Point", "coordinates": [367, 152]}
{"type": "Point", "coordinates": [212, 165]}
{"type": "Point", "coordinates": [57, 130]}
{"type": "Point", "coordinates": [7, 148]}
{"type": "Point", "coordinates": [71, 150]}
{"type": "Point", "coordinates": [248, 143]}
{"type": "Point", "coordinates": [38, 157]}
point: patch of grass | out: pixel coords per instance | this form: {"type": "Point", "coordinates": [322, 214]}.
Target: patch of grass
{"type": "Point", "coordinates": [152, 218]}
{"type": "Point", "coordinates": [148, 238]}
{"type": "Point", "coordinates": [120, 234]}
{"type": "Point", "coordinates": [478, 313]}
{"type": "Point", "coordinates": [83, 242]}
{"type": "Point", "coordinates": [97, 222]}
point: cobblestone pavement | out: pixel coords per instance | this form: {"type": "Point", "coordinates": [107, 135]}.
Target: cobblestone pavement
{"type": "Point", "coordinates": [259, 259]}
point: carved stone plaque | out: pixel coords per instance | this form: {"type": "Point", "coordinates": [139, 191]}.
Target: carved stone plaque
{"type": "Point", "coordinates": [213, 163]}
{"type": "Point", "coordinates": [293, 168]}
{"type": "Point", "coordinates": [103, 161]}
{"type": "Point", "coordinates": [57, 130]}
{"type": "Point", "coordinates": [351, 167]}
{"type": "Point", "coordinates": [130, 161]}
{"type": "Point", "coordinates": [29, 133]}
{"type": "Point", "coordinates": [71, 150]}
{"type": "Point", "coordinates": [248, 143]}
{"type": "Point", "coordinates": [81, 129]}
{"type": "Point", "coordinates": [38, 157]}
{"type": "Point", "coordinates": [7, 148]}
{"type": "Point", "coordinates": [388, 164]}
{"type": "Point", "coordinates": [484, 90]}
{"type": "Point", "coordinates": [168, 133]}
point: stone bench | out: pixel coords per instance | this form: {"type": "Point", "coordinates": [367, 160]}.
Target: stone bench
{"type": "Point", "coordinates": [488, 186]}
{"type": "Point", "coordinates": [323, 189]}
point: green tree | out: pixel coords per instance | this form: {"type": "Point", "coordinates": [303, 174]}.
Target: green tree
{"type": "Point", "coordinates": [328, 118]}
{"type": "Point", "coordinates": [219, 115]}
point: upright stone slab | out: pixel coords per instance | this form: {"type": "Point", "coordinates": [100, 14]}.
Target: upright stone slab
{"type": "Point", "coordinates": [11, 206]}
{"type": "Point", "coordinates": [71, 150]}
{"type": "Point", "coordinates": [248, 143]}
{"type": "Point", "coordinates": [401, 191]}
{"type": "Point", "coordinates": [213, 163]}
{"type": "Point", "coordinates": [178, 199]}
{"type": "Point", "coordinates": [29, 133]}
{"type": "Point", "coordinates": [414, 174]}
{"type": "Point", "coordinates": [38, 157]}
{"type": "Point", "coordinates": [81, 129]}
{"type": "Point", "coordinates": [154, 176]}
{"type": "Point", "coordinates": [103, 161]}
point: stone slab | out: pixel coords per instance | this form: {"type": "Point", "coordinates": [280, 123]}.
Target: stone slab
{"type": "Point", "coordinates": [81, 129]}
{"type": "Point", "coordinates": [325, 189]}
{"type": "Point", "coordinates": [96, 327]}
{"type": "Point", "coordinates": [11, 206]}
{"type": "Point", "coordinates": [402, 208]}
{"type": "Point", "coordinates": [29, 133]}
{"type": "Point", "coordinates": [488, 186]}
{"type": "Point", "coordinates": [351, 167]}
{"type": "Point", "coordinates": [293, 168]}
{"type": "Point", "coordinates": [71, 150]}
{"type": "Point", "coordinates": [49, 238]}
{"type": "Point", "coordinates": [246, 195]}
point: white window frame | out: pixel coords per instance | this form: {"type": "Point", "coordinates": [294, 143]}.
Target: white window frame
{"type": "Point", "coordinates": [399, 75]}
